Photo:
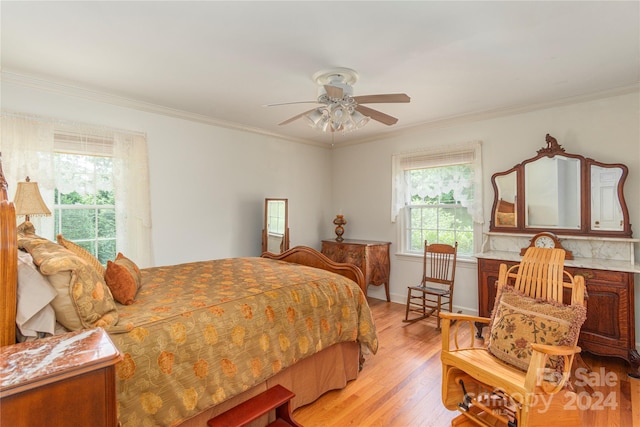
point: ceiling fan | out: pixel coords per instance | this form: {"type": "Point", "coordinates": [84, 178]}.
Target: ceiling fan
{"type": "Point", "coordinates": [339, 110]}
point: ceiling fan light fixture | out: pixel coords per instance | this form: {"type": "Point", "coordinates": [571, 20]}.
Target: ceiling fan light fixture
{"type": "Point", "coordinates": [340, 110]}
{"type": "Point", "coordinates": [315, 117]}
{"type": "Point", "coordinates": [359, 119]}
{"type": "Point", "coordinates": [336, 118]}
{"type": "Point", "coordinates": [339, 114]}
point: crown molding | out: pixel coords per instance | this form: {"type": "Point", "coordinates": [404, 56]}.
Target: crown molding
{"type": "Point", "coordinates": [496, 113]}
{"type": "Point", "coordinates": [93, 95]}
{"type": "Point", "coordinates": [103, 97]}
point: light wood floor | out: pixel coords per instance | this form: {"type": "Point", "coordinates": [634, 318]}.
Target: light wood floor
{"type": "Point", "coordinates": [400, 385]}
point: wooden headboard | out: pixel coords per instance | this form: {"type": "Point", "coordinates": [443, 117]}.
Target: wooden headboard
{"type": "Point", "coordinates": [8, 265]}
{"type": "Point", "coordinates": [308, 256]}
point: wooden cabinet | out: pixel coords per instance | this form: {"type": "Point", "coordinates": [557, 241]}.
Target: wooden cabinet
{"type": "Point", "coordinates": [65, 380]}
{"type": "Point", "coordinates": [370, 256]}
{"type": "Point", "coordinates": [609, 329]}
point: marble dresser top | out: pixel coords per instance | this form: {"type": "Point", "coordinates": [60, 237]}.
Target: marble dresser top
{"type": "Point", "coordinates": [590, 263]}
{"type": "Point", "coordinates": [36, 361]}
{"type": "Point", "coordinates": [600, 253]}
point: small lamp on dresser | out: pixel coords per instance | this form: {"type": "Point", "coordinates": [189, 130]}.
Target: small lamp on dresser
{"type": "Point", "coordinates": [28, 201]}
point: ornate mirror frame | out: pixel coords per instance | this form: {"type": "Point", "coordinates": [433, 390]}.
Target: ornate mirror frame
{"type": "Point", "coordinates": [511, 211]}
{"type": "Point", "coordinates": [275, 234]}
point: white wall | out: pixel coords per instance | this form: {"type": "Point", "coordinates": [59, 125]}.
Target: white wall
{"type": "Point", "coordinates": [606, 129]}
{"type": "Point", "coordinates": [208, 183]}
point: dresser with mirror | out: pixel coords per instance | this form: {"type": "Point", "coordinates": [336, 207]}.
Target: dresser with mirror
{"type": "Point", "coordinates": [558, 199]}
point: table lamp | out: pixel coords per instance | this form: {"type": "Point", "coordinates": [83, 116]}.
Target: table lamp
{"type": "Point", "coordinates": [28, 200]}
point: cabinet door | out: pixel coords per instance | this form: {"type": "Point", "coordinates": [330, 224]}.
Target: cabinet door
{"type": "Point", "coordinates": [86, 400]}
{"type": "Point", "coordinates": [378, 265]}
{"type": "Point", "coordinates": [488, 270]}
{"type": "Point", "coordinates": [608, 328]}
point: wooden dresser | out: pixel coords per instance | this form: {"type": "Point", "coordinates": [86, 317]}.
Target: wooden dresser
{"type": "Point", "coordinates": [371, 257]}
{"type": "Point", "coordinates": [610, 326]}
{"type": "Point", "coordinates": [59, 381]}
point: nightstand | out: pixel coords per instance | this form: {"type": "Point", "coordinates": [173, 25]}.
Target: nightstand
{"type": "Point", "coordinates": [370, 256]}
{"type": "Point", "coordinates": [64, 380]}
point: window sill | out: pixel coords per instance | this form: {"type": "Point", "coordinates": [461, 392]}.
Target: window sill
{"type": "Point", "coordinates": [462, 259]}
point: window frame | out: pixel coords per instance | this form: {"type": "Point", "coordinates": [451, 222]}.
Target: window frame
{"type": "Point", "coordinates": [69, 143]}
{"type": "Point", "coordinates": [435, 157]}
{"type": "Point", "coordinates": [408, 229]}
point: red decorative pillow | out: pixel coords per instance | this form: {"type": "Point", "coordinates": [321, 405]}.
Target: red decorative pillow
{"type": "Point", "coordinates": [123, 279]}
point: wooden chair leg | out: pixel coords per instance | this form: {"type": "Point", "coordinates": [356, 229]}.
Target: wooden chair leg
{"type": "Point", "coordinates": [406, 315]}
{"type": "Point", "coordinates": [438, 312]}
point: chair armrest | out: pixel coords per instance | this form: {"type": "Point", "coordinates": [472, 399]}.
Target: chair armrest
{"type": "Point", "coordinates": [463, 317]}
{"type": "Point", "coordinates": [556, 350]}
{"type": "Point", "coordinates": [538, 371]}
{"type": "Point", "coordinates": [455, 319]}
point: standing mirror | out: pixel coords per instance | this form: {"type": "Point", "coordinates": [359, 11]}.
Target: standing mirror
{"type": "Point", "coordinates": [275, 234]}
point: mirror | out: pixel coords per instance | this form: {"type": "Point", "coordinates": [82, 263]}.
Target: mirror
{"type": "Point", "coordinates": [606, 210]}
{"type": "Point", "coordinates": [507, 187]}
{"type": "Point", "coordinates": [564, 192]}
{"type": "Point", "coordinates": [275, 234]}
{"type": "Point", "coordinates": [552, 193]}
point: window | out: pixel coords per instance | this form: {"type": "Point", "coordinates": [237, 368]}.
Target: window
{"type": "Point", "coordinates": [85, 212]}
{"type": "Point", "coordinates": [438, 198]}
{"type": "Point", "coordinates": [94, 179]}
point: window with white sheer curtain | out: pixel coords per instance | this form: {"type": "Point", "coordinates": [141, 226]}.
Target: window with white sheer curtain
{"type": "Point", "coordinates": [437, 196]}
{"type": "Point", "coordinates": [86, 161]}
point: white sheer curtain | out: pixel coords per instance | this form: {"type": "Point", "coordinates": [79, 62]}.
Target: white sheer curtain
{"type": "Point", "coordinates": [27, 150]}
{"type": "Point", "coordinates": [133, 207]}
{"type": "Point", "coordinates": [28, 144]}
{"type": "Point", "coordinates": [470, 198]}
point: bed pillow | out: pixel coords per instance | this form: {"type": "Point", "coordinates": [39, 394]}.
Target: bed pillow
{"type": "Point", "coordinates": [82, 253]}
{"type": "Point", "coordinates": [26, 229]}
{"type": "Point", "coordinates": [123, 279]}
{"type": "Point", "coordinates": [66, 313]}
{"type": "Point", "coordinates": [77, 284]}
{"type": "Point", "coordinates": [519, 320]}
{"type": "Point", "coordinates": [34, 316]}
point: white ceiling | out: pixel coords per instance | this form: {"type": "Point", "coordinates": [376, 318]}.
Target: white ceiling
{"type": "Point", "coordinates": [222, 61]}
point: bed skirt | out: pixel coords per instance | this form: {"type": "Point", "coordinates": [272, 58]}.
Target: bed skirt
{"type": "Point", "coordinates": [309, 379]}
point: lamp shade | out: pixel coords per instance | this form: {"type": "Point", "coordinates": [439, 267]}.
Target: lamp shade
{"type": "Point", "coordinates": [28, 200]}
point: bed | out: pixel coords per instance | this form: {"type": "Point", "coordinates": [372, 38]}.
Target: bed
{"type": "Point", "coordinates": [201, 337]}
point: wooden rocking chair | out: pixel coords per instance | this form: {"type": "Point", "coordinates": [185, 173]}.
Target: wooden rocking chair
{"type": "Point", "coordinates": [490, 392]}
{"type": "Point", "coordinates": [435, 291]}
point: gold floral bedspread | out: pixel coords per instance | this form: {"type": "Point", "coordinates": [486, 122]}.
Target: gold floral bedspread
{"type": "Point", "coordinates": [200, 333]}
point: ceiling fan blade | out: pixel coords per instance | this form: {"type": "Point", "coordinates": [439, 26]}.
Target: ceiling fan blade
{"type": "Point", "coordinates": [334, 91]}
{"type": "Point", "coordinates": [377, 115]}
{"type": "Point", "coordinates": [289, 103]}
{"type": "Point", "coordinates": [383, 98]}
{"type": "Point", "coordinates": [296, 117]}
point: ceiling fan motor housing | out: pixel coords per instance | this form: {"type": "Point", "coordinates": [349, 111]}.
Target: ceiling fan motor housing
{"type": "Point", "coordinates": [341, 78]}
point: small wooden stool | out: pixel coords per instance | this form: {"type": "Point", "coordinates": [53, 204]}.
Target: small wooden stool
{"type": "Point", "coordinates": [277, 397]}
